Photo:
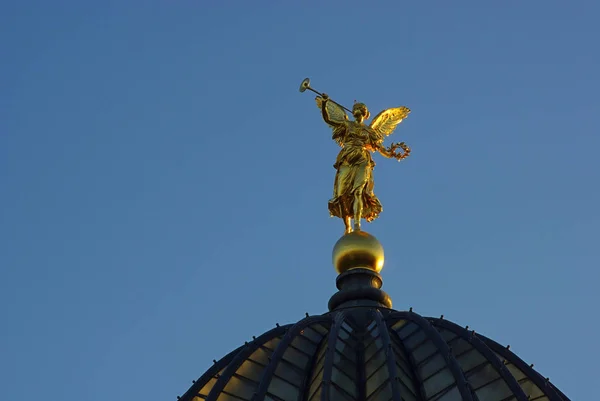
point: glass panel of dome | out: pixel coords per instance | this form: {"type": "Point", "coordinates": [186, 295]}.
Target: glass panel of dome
{"type": "Point", "coordinates": [407, 395]}
{"type": "Point", "coordinates": [530, 389]}
{"type": "Point", "coordinates": [318, 370]}
{"type": "Point", "coordinates": [261, 356]}
{"type": "Point", "coordinates": [424, 351]}
{"type": "Point", "coordinates": [406, 330]}
{"type": "Point", "coordinates": [344, 364]}
{"type": "Point", "coordinates": [251, 370]}
{"type": "Point", "coordinates": [316, 396]}
{"type": "Point", "coordinates": [345, 335]}
{"type": "Point", "coordinates": [350, 354]}
{"type": "Point", "coordinates": [452, 395]}
{"type": "Point", "coordinates": [314, 333]}
{"type": "Point", "coordinates": [460, 346]}
{"type": "Point", "coordinates": [317, 373]}
{"type": "Point", "coordinates": [399, 325]}
{"type": "Point", "coordinates": [209, 385]}
{"type": "Point", "coordinates": [482, 375]}
{"type": "Point", "coordinates": [240, 388]}
{"type": "Point", "coordinates": [346, 327]}
{"type": "Point", "coordinates": [304, 344]}
{"type": "Point", "coordinates": [315, 385]}
{"type": "Point", "coordinates": [446, 334]}
{"type": "Point", "coordinates": [406, 379]}
{"type": "Point", "coordinates": [403, 368]}
{"type": "Point", "coordinates": [289, 372]}
{"type": "Point", "coordinates": [348, 351]}
{"type": "Point", "coordinates": [431, 366]}
{"type": "Point", "coordinates": [371, 325]}
{"type": "Point", "coordinates": [438, 382]}
{"type": "Point", "coordinates": [343, 381]}
{"type": "Point", "coordinates": [382, 393]}
{"type": "Point", "coordinates": [229, 397]}
{"type": "Point", "coordinates": [320, 358]}
{"type": "Point", "coordinates": [377, 377]}
{"type": "Point", "coordinates": [415, 339]}
{"type": "Point", "coordinates": [295, 358]}
{"type": "Point", "coordinates": [336, 394]}
{"type": "Point", "coordinates": [374, 364]}
{"type": "Point", "coordinates": [206, 389]}
{"type": "Point", "coordinates": [282, 389]}
{"type": "Point", "coordinates": [320, 329]}
{"type": "Point", "coordinates": [372, 348]}
{"type": "Point", "coordinates": [516, 372]}
{"type": "Point", "coordinates": [470, 359]}
{"type": "Point", "coordinates": [495, 391]}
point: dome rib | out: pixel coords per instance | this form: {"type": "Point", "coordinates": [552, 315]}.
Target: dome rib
{"type": "Point", "coordinates": [292, 333]}
{"type": "Point", "coordinates": [443, 348]}
{"type": "Point", "coordinates": [240, 358]}
{"type": "Point", "coordinates": [490, 356]}
{"type": "Point", "coordinates": [410, 359]}
{"type": "Point", "coordinates": [389, 354]}
{"type": "Point", "coordinates": [306, 381]}
{"type": "Point", "coordinates": [545, 386]}
{"type": "Point", "coordinates": [332, 338]}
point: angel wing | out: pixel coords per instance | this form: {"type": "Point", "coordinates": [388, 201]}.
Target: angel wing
{"type": "Point", "coordinates": [336, 112]}
{"type": "Point", "coordinates": [385, 122]}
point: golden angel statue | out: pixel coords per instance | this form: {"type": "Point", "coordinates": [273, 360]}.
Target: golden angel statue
{"type": "Point", "coordinates": [353, 196]}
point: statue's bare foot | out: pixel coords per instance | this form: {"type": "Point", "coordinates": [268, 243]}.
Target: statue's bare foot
{"type": "Point", "coordinates": [348, 224]}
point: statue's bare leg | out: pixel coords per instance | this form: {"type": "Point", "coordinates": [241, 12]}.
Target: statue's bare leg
{"type": "Point", "coordinates": [358, 208]}
{"type": "Point", "coordinates": [348, 223]}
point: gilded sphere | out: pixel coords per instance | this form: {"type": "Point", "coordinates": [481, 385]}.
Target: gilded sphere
{"type": "Point", "coordinates": [358, 249]}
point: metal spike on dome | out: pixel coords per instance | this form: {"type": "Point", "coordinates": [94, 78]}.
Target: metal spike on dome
{"type": "Point", "coordinates": [531, 366]}
{"type": "Point", "coordinates": [410, 309]}
{"type": "Point", "coordinates": [193, 381]}
{"type": "Point", "coordinates": [277, 324]}
{"type": "Point", "coordinates": [214, 361]}
{"type": "Point", "coordinates": [442, 317]}
{"type": "Point", "coordinates": [508, 346]}
{"type": "Point", "coordinates": [307, 315]}
{"type": "Point", "coordinates": [178, 397]}
{"type": "Point", "coordinates": [254, 337]}
{"type": "Point", "coordinates": [467, 327]}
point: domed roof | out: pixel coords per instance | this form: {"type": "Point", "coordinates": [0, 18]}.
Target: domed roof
{"type": "Point", "coordinates": [364, 350]}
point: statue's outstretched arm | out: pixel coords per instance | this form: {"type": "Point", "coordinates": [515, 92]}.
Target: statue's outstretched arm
{"type": "Point", "coordinates": [391, 151]}
{"type": "Point", "coordinates": [385, 152]}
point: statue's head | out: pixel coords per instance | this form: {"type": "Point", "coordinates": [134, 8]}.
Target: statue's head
{"type": "Point", "coordinates": [360, 111]}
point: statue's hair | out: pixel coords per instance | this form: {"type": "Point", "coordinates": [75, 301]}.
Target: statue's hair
{"type": "Point", "coordinates": [363, 107]}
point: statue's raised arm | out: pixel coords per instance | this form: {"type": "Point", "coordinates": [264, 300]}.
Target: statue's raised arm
{"type": "Point", "coordinates": [334, 115]}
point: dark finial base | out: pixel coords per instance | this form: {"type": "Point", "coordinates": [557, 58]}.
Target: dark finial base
{"type": "Point", "coordinates": [359, 287]}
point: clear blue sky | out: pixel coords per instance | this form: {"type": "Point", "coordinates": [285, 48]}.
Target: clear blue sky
{"type": "Point", "coordinates": [164, 185]}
